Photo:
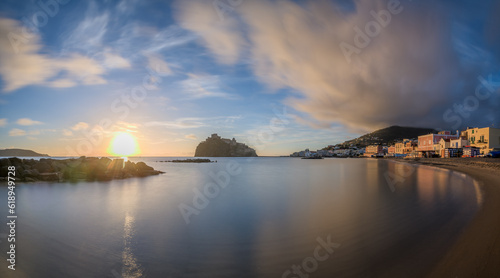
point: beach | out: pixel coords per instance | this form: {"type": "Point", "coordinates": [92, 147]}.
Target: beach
{"type": "Point", "coordinates": [477, 249]}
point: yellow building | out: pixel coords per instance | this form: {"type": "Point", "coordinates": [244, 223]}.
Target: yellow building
{"type": "Point", "coordinates": [486, 139]}
{"type": "Point", "coordinates": [400, 146]}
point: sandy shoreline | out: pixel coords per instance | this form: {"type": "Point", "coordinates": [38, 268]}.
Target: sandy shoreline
{"type": "Point", "coordinates": [476, 253]}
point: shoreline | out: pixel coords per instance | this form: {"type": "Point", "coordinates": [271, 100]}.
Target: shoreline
{"type": "Point", "coordinates": [476, 250]}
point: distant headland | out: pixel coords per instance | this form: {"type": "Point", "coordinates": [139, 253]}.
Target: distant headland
{"type": "Point", "coordinates": [215, 146]}
{"type": "Point", "coordinates": [21, 152]}
{"type": "Point", "coordinates": [74, 169]}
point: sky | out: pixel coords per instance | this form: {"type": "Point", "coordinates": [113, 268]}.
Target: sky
{"type": "Point", "coordinates": [280, 76]}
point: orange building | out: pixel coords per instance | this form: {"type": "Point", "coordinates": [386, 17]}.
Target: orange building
{"type": "Point", "coordinates": [374, 150]}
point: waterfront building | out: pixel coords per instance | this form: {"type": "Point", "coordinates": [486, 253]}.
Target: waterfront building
{"type": "Point", "coordinates": [428, 145]}
{"type": "Point", "coordinates": [376, 150]}
{"type": "Point", "coordinates": [459, 143]}
{"type": "Point", "coordinates": [486, 139]}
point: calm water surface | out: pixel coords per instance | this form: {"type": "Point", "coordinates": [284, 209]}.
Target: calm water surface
{"type": "Point", "coordinates": [385, 219]}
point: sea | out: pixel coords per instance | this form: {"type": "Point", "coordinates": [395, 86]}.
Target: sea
{"type": "Point", "coordinates": [242, 217]}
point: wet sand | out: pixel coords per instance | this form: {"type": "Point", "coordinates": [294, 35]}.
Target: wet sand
{"type": "Point", "coordinates": [476, 253]}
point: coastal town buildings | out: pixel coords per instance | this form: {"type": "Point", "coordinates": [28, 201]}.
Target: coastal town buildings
{"type": "Point", "coordinates": [443, 145]}
{"type": "Point", "coordinates": [374, 150]}
{"type": "Point", "coordinates": [471, 151]}
{"type": "Point", "coordinates": [472, 142]}
{"type": "Point", "coordinates": [399, 146]}
{"type": "Point", "coordinates": [428, 145]}
{"type": "Point", "coordinates": [411, 147]}
{"type": "Point", "coordinates": [486, 139]}
{"type": "Point", "coordinates": [459, 143]}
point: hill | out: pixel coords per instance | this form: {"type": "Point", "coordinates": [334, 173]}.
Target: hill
{"type": "Point", "coordinates": [215, 146]}
{"type": "Point", "coordinates": [388, 136]}
{"type": "Point", "coordinates": [20, 152]}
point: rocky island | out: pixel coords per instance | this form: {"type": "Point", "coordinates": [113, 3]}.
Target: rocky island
{"type": "Point", "coordinates": [215, 146]}
{"type": "Point", "coordinates": [74, 169]}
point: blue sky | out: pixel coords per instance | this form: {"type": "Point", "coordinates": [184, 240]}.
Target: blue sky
{"type": "Point", "coordinates": [271, 74]}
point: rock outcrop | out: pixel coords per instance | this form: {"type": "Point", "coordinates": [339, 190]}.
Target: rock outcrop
{"type": "Point", "coordinates": [215, 146]}
{"type": "Point", "coordinates": [83, 168]}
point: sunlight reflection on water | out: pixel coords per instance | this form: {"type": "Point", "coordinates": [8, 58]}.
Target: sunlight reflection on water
{"type": "Point", "coordinates": [130, 269]}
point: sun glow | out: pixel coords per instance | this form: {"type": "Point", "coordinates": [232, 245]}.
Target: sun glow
{"type": "Point", "coordinates": [123, 144]}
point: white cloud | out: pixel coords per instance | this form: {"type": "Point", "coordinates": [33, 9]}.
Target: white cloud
{"type": "Point", "coordinates": [28, 121]}
{"type": "Point", "coordinates": [62, 83]}
{"type": "Point", "coordinates": [158, 65]}
{"type": "Point", "coordinates": [22, 63]}
{"type": "Point", "coordinates": [115, 61]}
{"type": "Point", "coordinates": [3, 122]}
{"type": "Point", "coordinates": [67, 132]}
{"type": "Point", "coordinates": [80, 126]}
{"type": "Point", "coordinates": [191, 136]}
{"type": "Point", "coordinates": [221, 36]}
{"type": "Point", "coordinates": [34, 132]}
{"type": "Point", "coordinates": [17, 132]}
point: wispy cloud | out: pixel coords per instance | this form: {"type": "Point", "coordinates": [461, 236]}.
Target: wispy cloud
{"type": "Point", "coordinates": [182, 123]}
{"type": "Point", "coordinates": [22, 62]}
{"type": "Point", "coordinates": [80, 126]}
{"type": "Point", "coordinates": [17, 132]}
{"type": "Point", "coordinates": [125, 126]}
{"type": "Point", "coordinates": [67, 132]}
{"type": "Point", "coordinates": [204, 86]}
{"type": "Point", "coordinates": [3, 122]}
{"type": "Point", "coordinates": [27, 122]}
{"type": "Point", "coordinates": [158, 65]}
{"type": "Point", "coordinates": [194, 122]}
{"type": "Point", "coordinates": [223, 37]}
{"type": "Point", "coordinates": [191, 136]}
{"type": "Point", "coordinates": [115, 61]}
{"type": "Point", "coordinates": [90, 32]}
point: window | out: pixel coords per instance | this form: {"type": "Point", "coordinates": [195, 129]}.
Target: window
{"type": "Point", "coordinates": [473, 131]}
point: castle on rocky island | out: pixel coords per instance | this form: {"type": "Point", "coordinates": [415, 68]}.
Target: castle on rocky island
{"type": "Point", "coordinates": [216, 146]}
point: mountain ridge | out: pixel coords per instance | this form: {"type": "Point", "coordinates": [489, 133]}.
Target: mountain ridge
{"type": "Point", "coordinates": [388, 136]}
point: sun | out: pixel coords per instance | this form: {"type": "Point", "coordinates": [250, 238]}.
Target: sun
{"type": "Point", "coordinates": [123, 144]}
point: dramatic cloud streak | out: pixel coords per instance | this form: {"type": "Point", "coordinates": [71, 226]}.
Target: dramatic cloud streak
{"type": "Point", "coordinates": [23, 63]}
{"type": "Point", "coordinates": [409, 72]}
